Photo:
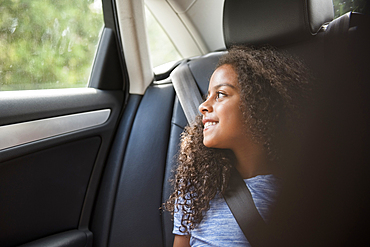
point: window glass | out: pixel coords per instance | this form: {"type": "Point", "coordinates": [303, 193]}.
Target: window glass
{"type": "Point", "coordinates": [162, 50]}
{"type": "Point", "coordinates": [48, 43]}
{"type": "Point", "coordinates": [343, 6]}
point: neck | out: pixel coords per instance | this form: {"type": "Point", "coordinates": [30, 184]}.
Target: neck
{"type": "Point", "coordinates": [251, 160]}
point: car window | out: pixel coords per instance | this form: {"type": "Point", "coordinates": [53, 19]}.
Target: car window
{"type": "Point", "coordinates": [343, 6]}
{"type": "Point", "coordinates": [48, 43]}
{"type": "Point", "coordinates": [162, 50]}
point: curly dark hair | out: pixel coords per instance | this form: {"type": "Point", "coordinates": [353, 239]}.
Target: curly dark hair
{"type": "Point", "coordinates": [270, 84]}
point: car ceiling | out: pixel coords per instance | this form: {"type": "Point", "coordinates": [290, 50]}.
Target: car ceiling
{"type": "Point", "coordinates": [194, 26]}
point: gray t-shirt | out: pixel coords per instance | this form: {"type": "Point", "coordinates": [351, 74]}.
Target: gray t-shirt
{"type": "Point", "coordinates": [219, 227]}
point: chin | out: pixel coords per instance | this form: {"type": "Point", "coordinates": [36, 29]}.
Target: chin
{"type": "Point", "coordinates": [210, 144]}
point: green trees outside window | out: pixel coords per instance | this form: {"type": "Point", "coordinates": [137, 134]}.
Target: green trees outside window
{"type": "Point", "coordinates": [48, 43]}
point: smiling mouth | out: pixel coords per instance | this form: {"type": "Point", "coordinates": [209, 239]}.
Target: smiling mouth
{"type": "Point", "coordinates": [208, 124]}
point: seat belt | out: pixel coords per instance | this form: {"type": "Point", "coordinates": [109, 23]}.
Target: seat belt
{"type": "Point", "coordinates": [237, 194]}
{"type": "Point", "coordinates": [187, 91]}
{"type": "Point", "coordinates": [241, 204]}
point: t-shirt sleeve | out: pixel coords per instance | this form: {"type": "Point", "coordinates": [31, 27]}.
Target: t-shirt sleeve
{"type": "Point", "coordinates": [177, 222]}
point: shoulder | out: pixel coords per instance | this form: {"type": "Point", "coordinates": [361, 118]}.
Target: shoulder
{"type": "Point", "coordinates": [264, 182]}
{"type": "Point", "coordinates": [264, 190]}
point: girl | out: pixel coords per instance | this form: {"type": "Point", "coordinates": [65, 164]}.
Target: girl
{"type": "Point", "coordinates": [250, 100]}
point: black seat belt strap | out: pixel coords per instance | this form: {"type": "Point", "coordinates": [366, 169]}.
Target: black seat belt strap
{"type": "Point", "coordinates": [237, 195]}
{"type": "Point", "coordinates": [240, 201]}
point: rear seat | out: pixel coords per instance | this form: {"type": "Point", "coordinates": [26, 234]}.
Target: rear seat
{"type": "Point", "coordinates": [135, 182]}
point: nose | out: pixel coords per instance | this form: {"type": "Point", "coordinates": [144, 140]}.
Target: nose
{"type": "Point", "coordinates": [205, 107]}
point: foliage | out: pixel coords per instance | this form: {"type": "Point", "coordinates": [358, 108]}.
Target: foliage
{"type": "Point", "coordinates": [48, 43]}
{"type": "Point", "coordinates": [343, 6]}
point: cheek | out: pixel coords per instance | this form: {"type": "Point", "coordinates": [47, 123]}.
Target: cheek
{"type": "Point", "coordinates": [237, 125]}
{"type": "Point", "coordinates": [234, 116]}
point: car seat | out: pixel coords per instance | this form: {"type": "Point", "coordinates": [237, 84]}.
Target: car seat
{"type": "Point", "coordinates": [136, 178]}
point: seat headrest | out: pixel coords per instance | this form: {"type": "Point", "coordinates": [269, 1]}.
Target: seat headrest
{"type": "Point", "coordinates": [274, 22]}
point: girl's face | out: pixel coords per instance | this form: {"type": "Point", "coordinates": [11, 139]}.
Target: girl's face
{"type": "Point", "coordinates": [222, 117]}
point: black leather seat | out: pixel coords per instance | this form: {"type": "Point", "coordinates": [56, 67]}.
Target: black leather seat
{"type": "Point", "coordinates": [135, 183]}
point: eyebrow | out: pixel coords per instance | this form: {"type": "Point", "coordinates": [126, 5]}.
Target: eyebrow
{"type": "Point", "coordinates": [222, 85]}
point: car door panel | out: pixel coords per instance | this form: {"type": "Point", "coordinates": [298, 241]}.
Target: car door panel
{"type": "Point", "coordinates": [43, 192]}
{"type": "Point", "coordinates": [47, 186]}
{"type": "Point", "coordinates": [54, 144]}
{"type": "Point", "coordinates": [23, 107]}
{"type": "Point", "coordinates": [73, 238]}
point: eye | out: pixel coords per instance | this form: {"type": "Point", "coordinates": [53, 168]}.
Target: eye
{"type": "Point", "coordinates": [220, 95]}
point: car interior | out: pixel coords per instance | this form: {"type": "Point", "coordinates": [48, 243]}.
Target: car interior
{"type": "Point", "coordinates": [92, 166]}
